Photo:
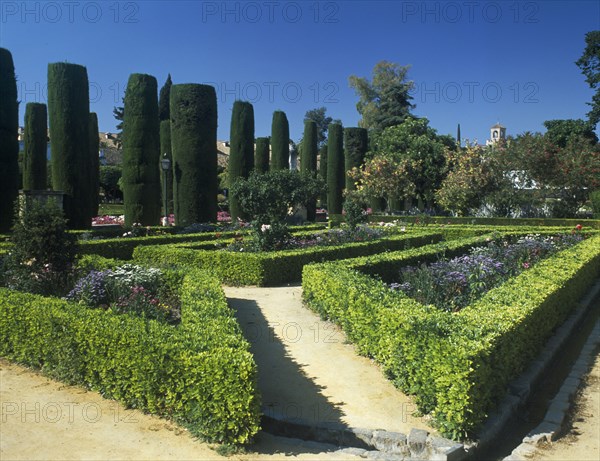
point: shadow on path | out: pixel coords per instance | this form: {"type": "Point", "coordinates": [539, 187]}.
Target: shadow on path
{"type": "Point", "coordinates": [288, 393]}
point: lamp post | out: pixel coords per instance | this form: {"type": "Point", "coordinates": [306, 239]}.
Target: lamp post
{"type": "Point", "coordinates": [165, 164]}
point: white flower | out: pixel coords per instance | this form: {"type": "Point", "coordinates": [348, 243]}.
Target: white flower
{"type": "Point", "coordinates": [265, 227]}
{"type": "Point", "coordinates": [403, 229]}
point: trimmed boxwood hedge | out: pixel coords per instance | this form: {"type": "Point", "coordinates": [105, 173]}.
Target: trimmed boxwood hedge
{"type": "Point", "coordinates": [561, 222]}
{"type": "Point", "coordinates": [457, 365]}
{"type": "Point", "coordinates": [200, 372]}
{"type": "Point", "coordinates": [272, 268]}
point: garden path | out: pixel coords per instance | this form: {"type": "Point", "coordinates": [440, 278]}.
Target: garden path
{"type": "Point", "coordinates": [308, 371]}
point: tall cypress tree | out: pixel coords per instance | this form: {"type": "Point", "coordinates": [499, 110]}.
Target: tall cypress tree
{"type": "Point", "coordinates": [165, 151]}
{"type": "Point", "coordinates": [163, 100]}
{"type": "Point", "coordinates": [323, 171]}
{"type": "Point", "coordinates": [241, 152]}
{"type": "Point", "coordinates": [9, 144]}
{"type": "Point", "coordinates": [94, 164]}
{"type": "Point", "coordinates": [194, 143]}
{"type": "Point", "coordinates": [68, 110]}
{"type": "Point", "coordinates": [261, 156]}
{"type": "Point", "coordinates": [335, 168]}
{"type": "Point", "coordinates": [280, 142]}
{"type": "Point", "coordinates": [36, 146]}
{"type": "Point", "coordinates": [308, 162]}
{"type": "Point", "coordinates": [141, 152]}
{"type": "Point", "coordinates": [356, 143]}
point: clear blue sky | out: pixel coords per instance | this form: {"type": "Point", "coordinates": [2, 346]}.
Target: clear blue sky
{"type": "Point", "coordinates": [474, 63]}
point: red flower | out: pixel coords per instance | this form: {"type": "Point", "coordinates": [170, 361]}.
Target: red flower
{"type": "Point", "coordinates": [578, 227]}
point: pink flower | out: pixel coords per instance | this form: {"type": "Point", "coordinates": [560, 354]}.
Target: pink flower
{"type": "Point", "coordinates": [525, 265]}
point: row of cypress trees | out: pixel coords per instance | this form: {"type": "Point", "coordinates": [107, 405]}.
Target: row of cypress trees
{"type": "Point", "coordinates": [181, 124]}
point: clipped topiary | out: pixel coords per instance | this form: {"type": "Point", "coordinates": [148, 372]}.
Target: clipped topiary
{"type": "Point", "coordinates": [356, 143]}
{"type": "Point", "coordinates": [95, 164]}
{"type": "Point", "coordinates": [36, 146]}
{"type": "Point", "coordinates": [335, 169]}
{"type": "Point", "coordinates": [141, 151]}
{"type": "Point", "coordinates": [194, 144]}
{"type": "Point", "coordinates": [68, 110]}
{"type": "Point", "coordinates": [166, 152]}
{"type": "Point", "coordinates": [9, 144]}
{"type": "Point", "coordinates": [280, 142]}
{"type": "Point", "coordinates": [308, 162]}
{"type": "Point", "coordinates": [261, 155]}
{"type": "Point", "coordinates": [241, 153]}
{"type": "Point", "coordinates": [323, 172]}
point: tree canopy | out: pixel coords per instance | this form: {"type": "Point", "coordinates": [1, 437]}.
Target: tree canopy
{"type": "Point", "coordinates": [589, 63]}
{"type": "Point", "coordinates": [385, 100]}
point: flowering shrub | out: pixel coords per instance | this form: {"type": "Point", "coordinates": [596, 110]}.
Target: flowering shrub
{"type": "Point", "coordinates": [43, 253]}
{"type": "Point", "coordinates": [106, 219]}
{"type": "Point", "coordinates": [128, 289]}
{"type": "Point", "coordinates": [455, 283]}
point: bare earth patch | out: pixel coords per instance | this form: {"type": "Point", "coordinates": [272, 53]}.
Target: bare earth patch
{"type": "Point", "coordinates": [582, 441]}
{"type": "Point", "coordinates": [44, 419]}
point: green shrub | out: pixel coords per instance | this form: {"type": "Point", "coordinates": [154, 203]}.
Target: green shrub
{"type": "Point", "coordinates": [9, 145]}
{"type": "Point", "coordinates": [193, 110]}
{"type": "Point", "coordinates": [271, 268]}
{"type": "Point", "coordinates": [43, 253]}
{"type": "Point", "coordinates": [261, 156]}
{"type": "Point", "coordinates": [595, 199]}
{"type": "Point", "coordinates": [94, 164]}
{"type": "Point", "coordinates": [241, 153]}
{"type": "Point", "coordinates": [36, 146]}
{"type": "Point", "coordinates": [200, 373]}
{"type": "Point", "coordinates": [68, 111]}
{"type": "Point", "coordinates": [335, 169]}
{"type": "Point", "coordinates": [456, 365]}
{"type": "Point", "coordinates": [141, 152]}
{"type": "Point", "coordinates": [280, 142]}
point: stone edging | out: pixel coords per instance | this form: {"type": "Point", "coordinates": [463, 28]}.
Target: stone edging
{"type": "Point", "coordinates": [367, 443]}
{"type": "Point", "coordinates": [556, 415]}
{"type": "Point", "coordinates": [520, 388]}
{"type": "Point", "coordinates": [421, 445]}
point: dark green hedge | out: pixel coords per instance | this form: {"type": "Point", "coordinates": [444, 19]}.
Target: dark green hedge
{"type": "Point", "coordinates": [9, 144]}
{"type": "Point", "coordinates": [141, 152]}
{"type": "Point", "coordinates": [335, 169]}
{"type": "Point", "coordinates": [94, 140]}
{"type": "Point", "coordinates": [271, 268]}
{"type": "Point", "coordinates": [261, 156]}
{"type": "Point", "coordinates": [36, 146]}
{"type": "Point", "coordinates": [280, 141]}
{"type": "Point", "coordinates": [456, 365]}
{"type": "Point", "coordinates": [68, 113]}
{"type": "Point", "coordinates": [200, 373]}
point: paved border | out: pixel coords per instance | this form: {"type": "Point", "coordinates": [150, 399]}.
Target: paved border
{"type": "Point", "coordinates": [556, 415]}
{"type": "Point", "coordinates": [521, 387]}
{"type": "Point", "coordinates": [420, 445]}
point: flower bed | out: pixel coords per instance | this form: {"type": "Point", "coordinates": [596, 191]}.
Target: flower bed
{"type": "Point", "coordinates": [275, 267]}
{"type": "Point", "coordinates": [457, 365]}
{"type": "Point", "coordinates": [452, 284]}
{"type": "Point", "coordinates": [199, 372]}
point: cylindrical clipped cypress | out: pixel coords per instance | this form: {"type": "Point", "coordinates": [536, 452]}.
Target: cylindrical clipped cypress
{"type": "Point", "coordinates": [261, 156]}
{"type": "Point", "coordinates": [141, 152]}
{"type": "Point", "coordinates": [280, 142]}
{"type": "Point", "coordinates": [356, 143]}
{"type": "Point", "coordinates": [194, 143]}
{"type": "Point", "coordinates": [163, 100]}
{"type": "Point", "coordinates": [36, 146]}
{"type": "Point", "coordinates": [323, 171]}
{"type": "Point", "coordinates": [308, 162]}
{"type": "Point", "coordinates": [68, 110]}
{"type": "Point", "coordinates": [9, 144]}
{"type": "Point", "coordinates": [95, 164]}
{"type": "Point", "coordinates": [241, 151]}
{"type": "Point", "coordinates": [335, 169]}
{"type": "Point", "coordinates": [165, 148]}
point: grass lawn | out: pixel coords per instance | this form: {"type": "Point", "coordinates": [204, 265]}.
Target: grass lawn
{"type": "Point", "coordinates": [111, 209]}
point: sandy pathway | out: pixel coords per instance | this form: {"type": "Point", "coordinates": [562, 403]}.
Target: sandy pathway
{"type": "Point", "coordinates": [582, 442]}
{"type": "Point", "coordinates": [43, 419]}
{"type": "Point", "coordinates": [308, 371]}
